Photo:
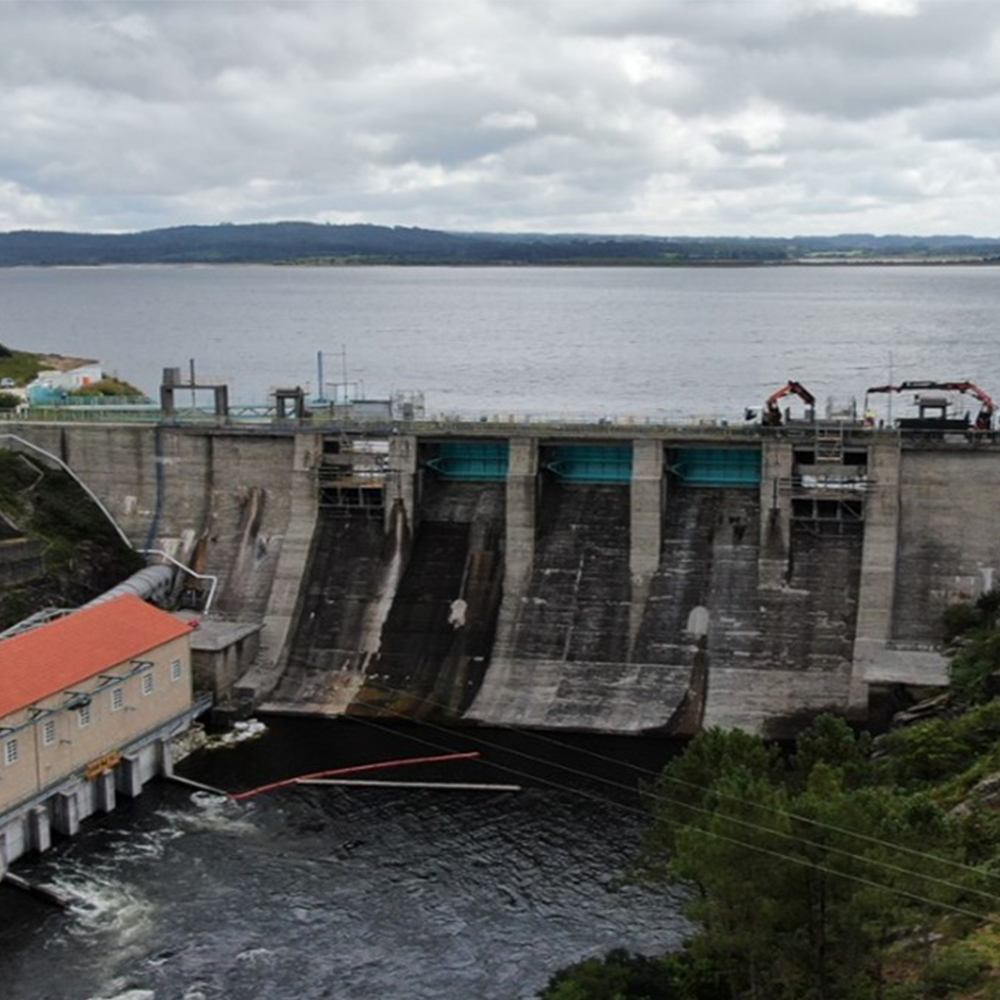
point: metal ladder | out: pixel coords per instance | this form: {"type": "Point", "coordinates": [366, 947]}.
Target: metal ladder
{"type": "Point", "coordinates": [830, 444]}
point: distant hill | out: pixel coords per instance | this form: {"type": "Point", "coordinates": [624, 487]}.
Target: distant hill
{"type": "Point", "coordinates": [308, 243]}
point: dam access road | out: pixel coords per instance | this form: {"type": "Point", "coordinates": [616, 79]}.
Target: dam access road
{"type": "Point", "coordinates": [609, 577]}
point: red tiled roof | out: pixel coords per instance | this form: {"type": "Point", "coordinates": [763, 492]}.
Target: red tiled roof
{"type": "Point", "coordinates": [65, 652]}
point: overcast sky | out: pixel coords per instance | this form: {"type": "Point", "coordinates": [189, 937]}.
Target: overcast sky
{"type": "Point", "coordinates": [671, 117]}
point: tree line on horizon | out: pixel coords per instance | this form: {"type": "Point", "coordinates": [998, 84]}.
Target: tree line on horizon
{"type": "Point", "coordinates": [311, 243]}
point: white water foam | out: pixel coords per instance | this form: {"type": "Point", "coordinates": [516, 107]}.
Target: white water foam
{"type": "Point", "coordinates": [130, 995]}
{"type": "Point", "coordinates": [242, 731]}
{"type": "Point", "coordinates": [104, 906]}
{"type": "Point", "coordinates": [146, 845]}
{"type": "Point", "coordinates": [213, 814]}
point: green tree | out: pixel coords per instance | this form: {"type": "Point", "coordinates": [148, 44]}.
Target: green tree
{"type": "Point", "coordinates": [621, 975]}
{"type": "Point", "coordinates": [975, 669]}
{"type": "Point", "coordinates": [798, 874]}
{"type": "Point", "coordinates": [830, 740]}
{"type": "Point", "coordinates": [935, 750]}
{"type": "Point", "coordinates": [686, 782]}
{"type": "Point", "coordinates": [727, 855]}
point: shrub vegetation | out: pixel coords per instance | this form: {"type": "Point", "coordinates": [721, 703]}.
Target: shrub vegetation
{"type": "Point", "coordinates": [108, 387]}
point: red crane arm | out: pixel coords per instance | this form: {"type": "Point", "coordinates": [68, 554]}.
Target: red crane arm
{"type": "Point", "coordinates": [790, 388]}
{"type": "Point", "coordinates": [973, 389]}
{"type": "Point", "coordinates": [969, 387]}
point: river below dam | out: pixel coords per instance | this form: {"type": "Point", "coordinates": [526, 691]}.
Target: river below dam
{"type": "Point", "coordinates": [349, 893]}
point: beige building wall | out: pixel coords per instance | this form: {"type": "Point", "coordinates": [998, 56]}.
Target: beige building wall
{"type": "Point", "coordinates": [52, 739]}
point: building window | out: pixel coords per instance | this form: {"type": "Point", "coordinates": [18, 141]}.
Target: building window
{"type": "Point", "coordinates": [48, 732]}
{"type": "Point", "coordinates": [10, 752]}
{"type": "Point", "coordinates": [176, 670]}
{"type": "Point", "coordinates": [147, 683]}
{"type": "Point", "coordinates": [117, 699]}
{"type": "Point", "coordinates": [83, 716]}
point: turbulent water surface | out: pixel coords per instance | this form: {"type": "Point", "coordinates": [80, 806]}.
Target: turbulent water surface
{"type": "Point", "coordinates": [348, 892]}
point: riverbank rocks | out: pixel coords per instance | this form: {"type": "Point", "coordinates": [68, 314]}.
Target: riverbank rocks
{"type": "Point", "coordinates": [929, 708]}
{"type": "Point", "coordinates": [984, 795]}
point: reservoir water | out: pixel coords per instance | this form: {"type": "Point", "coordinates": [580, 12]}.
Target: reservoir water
{"type": "Point", "coordinates": [367, 893]}
{"type": "Point", "coordinates": [665, 343]}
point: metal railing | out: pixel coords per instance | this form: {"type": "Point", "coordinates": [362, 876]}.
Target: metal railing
{"type": "Point", "coordinates": [39, 618]}
{"type": "Point", "coordinates": [468, 424]}
{"type": "Point", "coordinates": [264, 418]}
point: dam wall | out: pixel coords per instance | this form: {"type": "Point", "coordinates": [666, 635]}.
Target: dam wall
{"type": "Point", "coordinates": [394, 619]}
{"type": "Point", "coordinates": [959, 495]}
{"type": "Point", "coordinates": [235, 506]}
{"type": "Point", "coordinates": [653, 580]}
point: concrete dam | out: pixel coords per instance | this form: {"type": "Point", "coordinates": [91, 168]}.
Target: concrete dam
{"type": "Point", "coordinates": [607, 578]}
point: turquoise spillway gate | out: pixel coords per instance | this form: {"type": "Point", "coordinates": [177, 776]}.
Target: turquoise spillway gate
{"type": "Point", "coordinates": [726, 467]}
{"type": "Point", "coordinates": [584, 463]}
{"type": "Point", "coordinates": [470, 461]}
{"type": "Point", "coordinates": [487, 461]}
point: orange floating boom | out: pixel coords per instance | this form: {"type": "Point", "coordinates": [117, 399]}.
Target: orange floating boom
{"type": "Point", "coordinates": [356, 769]}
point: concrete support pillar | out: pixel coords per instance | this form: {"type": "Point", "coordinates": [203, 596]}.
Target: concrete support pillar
{"type": "Point", "coordinates": [878, 566]}
{"type": "Point", "coordinates": [646, 497]}
{"type": "Point", "coordinates": [290, 571]}
{"type": "Point", "coordinates": [167, 401]}
{"type": "Point", "coordinates": [522, 490]}
{"type": "Point", "coordinates": [104, 787]}
{"type": "Point", "coordinates": [66, 813]}
{"type": "Point", "coordinates": [128, 777]}
{"type": "Point", "coordinates": [39, 829]}
{"type": "Point", "coordinates": [308, 453]}
{"type": "Point", "coordinates": [166, 755]}
{"type": "Point", "coordinates": [402, 487]}
{"type": "Point", "coordinates": [777, 463]}
{"type": "Point", "coordinates": [3, 854]}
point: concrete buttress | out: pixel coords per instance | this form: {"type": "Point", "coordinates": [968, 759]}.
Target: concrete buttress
{"type": "Point", "coordinates": [403, 485]}
{"type": "Point", "coordinates": [775, 512]}
{"type": "Point", "coordinates": [522, 492]}
{"type": "Point", "coordinates": [290, 571]}
{"type": "Point", "coordinates": [646, 497]}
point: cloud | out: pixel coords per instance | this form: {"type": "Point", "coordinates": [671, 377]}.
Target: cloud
{"type": "Point", "coordinates": [658, 116]}
{"type": "Point", "coordinates": [510, 120]}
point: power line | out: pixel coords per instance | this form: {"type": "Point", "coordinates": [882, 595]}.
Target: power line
{"type": "Point", "coordinates": [802, 862]}
{"type": "Point", "coordinates": [788, 814]}
{"type": "Point", "coordinates": [774, 809]}
{"type": "Point", "coordinates": [745, 823]}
